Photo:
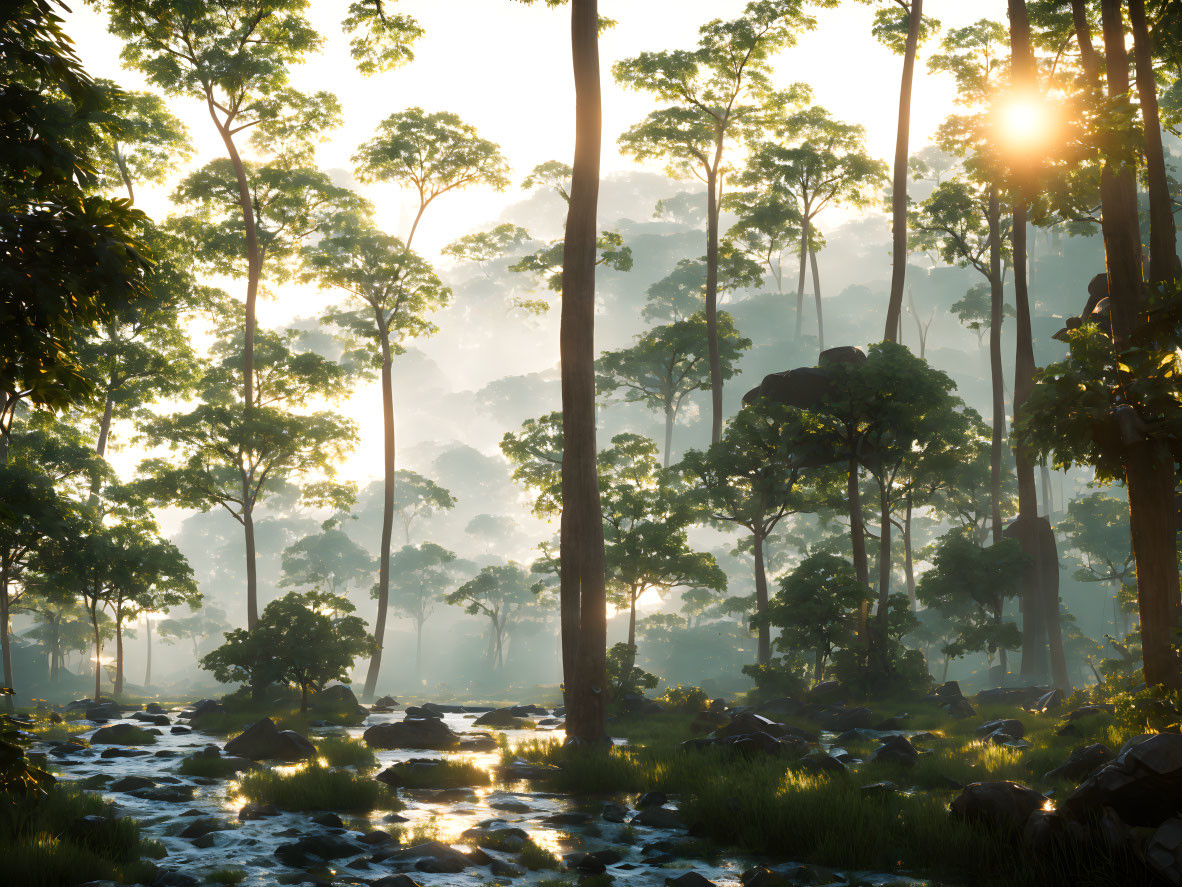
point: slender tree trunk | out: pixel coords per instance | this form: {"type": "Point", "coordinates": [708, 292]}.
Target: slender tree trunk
{"type": "Point", "coordinates": [858, 544]}
{"type": "Point", "coordinates": [254, 274]}
{"type": "Point", "coordinates": [303, 698]}
{"type": "Point", "coordinates": [804, 257]}
{"type": "Point", "coordinates": [124, 173]}
{"type": "Point", "coordinates": [1149, 469]}
{"type": "Point", "coordinates": [626, 674]}
{"type": "Point", "coordinates": [419, 654]}
{"type": "Point", "coordinates": [764, 649]}
{"type": "Point", "coordinates": [1002, 659]}
{"type": "Point", "coordinates": [581, 547]}
{"type": "Point", "coordinates": [1048, 498]}
{"type": "Point", "coordinates": [817, 298]}
{"type": "Point", "coordinates": [995, 319]}
{"type": "Point", "coordinates": [98, 655]}
{"type": "Point", "coordinates": [884, 578]}
{"type": "Point", "coordinates": [908, 558]}
{"type": "Point", "coordinates": [1163, 250]}
{"type": "Point", "coordinates": [712, 213]}
{"type": "Point", "coordinates": [899, 181]}
{"type": "Point", "coordinates": [668, 434]}
{"type": "Point", "coordinates": [379, 629]}
{"type": "Point", "coordinates": [118, 656]}
{"type": "Point", "coordinates": [148, 637]}
{"type": "Point", "coordinates": [818, 666]}
{"type": "Point", "coordinates": [6, 640]}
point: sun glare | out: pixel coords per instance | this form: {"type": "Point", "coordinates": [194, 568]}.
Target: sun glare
{"type": "Point", "coordinates": [1025, 122]}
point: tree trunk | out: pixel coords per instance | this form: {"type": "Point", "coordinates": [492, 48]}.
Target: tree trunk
{"type": "Point", "coordinates": [899, 181]}
{"type": "Point", "coordinates": [712, 213]}
{"type": "Point", "coordinates": [583, 579]}
{"type": "Point", "coordinates": [1163, 251]}
{"type": "Point", "coordinates": [1149, 470]}
{"type": "Point", "coordinates": [668, 434]}
{"type": "Point", "coordinates": [818, 667]}
{"type": "Point", "coordinates": [995, 369]}
{"type": "Point", "coordinates": [252, 577]}
{"type": "Point", "coordinates": [419, 654]}
{"type": "Point", "coordinates": [379, 629]}
{"type": "Point", "coordinates": [884, 565]}
{"type": "Point", "coordinates": [6, 641]}
{"type": "Point", "coordinates": [817, 298]}
{"type": "Point", "coordinates": [1048, 499]}
{"type": "Point", "coordinates": [804, 257]}
{"type": "Point", "coordinates": [98, 655]}
{"type": "Point", "coordinates": [764, 649]}
{"type": "Point", "coordinates": [253, 275]}
{"type": "Point", "coordinates": [303, 698]}
{"type": "Point", "coordinates": [858, 543]}
{"type": "Point", "coordinates": [908, 557]}
{"type": "Point", "coordinates": [148, 637]}
{"type": "Point", "coordinates": [118, 655]}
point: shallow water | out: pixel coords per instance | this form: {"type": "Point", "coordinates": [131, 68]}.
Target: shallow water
{"type": "Point", "coordinates": [250, 846]}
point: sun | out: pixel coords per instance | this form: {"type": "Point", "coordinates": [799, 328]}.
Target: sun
{"type": "Point", "coordinates": [1024, 122]}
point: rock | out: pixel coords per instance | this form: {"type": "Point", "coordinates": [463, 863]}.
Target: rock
{"type": "Point", "coordinates": [202, 709]}
{"type": "Point", "coordinates": [896, 750]}
{"type": "Point", "coordinates": [659, 817]}
{"type": "Point", "coordinates": [689, 879]}
{"type": "Point", "coordinates": [311, 848]}
{"type": "Point", "coordinates": [200, 827]}
{"type": "Point", "coordinates": [424, 733]}
{"type": "Point", "coordinates": [752, 744]}
{"type": "Point", "coordinates": [445, 859]}
{"type": "Point", "coordinates": [263, 741]}
{"type": "Point", "coordinates": [879, 789]}
{"type": "Point", "coordinates": [130, 784]}
{"type": "Point", "coordinates": [338, 697]}
{"type": "Point", "coordinates": [254, 811]}
{"type": "Point", "coordinates": [826, 690]}
{"type": "Point", "coordinates": [117, 752]}
{"type": "Point", "coordinates": [396, 881]}
{"type": "Point", "coordinates": [1052, 701]}
{"type": "Point", "coordinates": [1010, 726]}
{"type": "Point", "coordinates": [511, 806]}
{"type": "Point", "coordinates": [960, 708]}
{"type": "Point", "coordinates": [783, 707]}
{"type": "Point", "coordinates": [1001, 805]}
{"type": "Point", "coordinates": [651, 799]}
{"type": "Point", "coordinates": [708, 722]}
{"type": "Point", "coordinates": [147, 718]}
{"type": "Point", "coordinates": [1142, 784]}
{"type": "Point", "coordinates": [1081, 764]}
{"type": "Point", "coordinates": [636, 704]}
{"type": "Point", "coordinates": [478, 742]}
{"type": "Point", "coordinates": [172, 794]}
{"type": "Point", "coordinates": [377, 836]}
{"type": "Point", "coordinates": [501, 869]}
{"type": "Point", "coordinates": [824, 764]}
{"type": "Point", "coordinates": [154, 708]}
{"type": "Point", "coordinates": [565, 819]}
{"type": "Point", "coordinates": [520, 769]}
{"type": "Point", "coordinates": [1085, 711]}
{"type": "Point", "coordinates": [424, 711]}
{"type": "Point", "coordinates": [180, 730]}
{"type": "Point", "coordinates": [613, 812]}
{"type": "Point", "coordinates": [849, 719]}
{"type": "Point", "coordinates": [1164, 853]}
{"type": "Point", "coordinates": [501, 717]}
{"type": "Point", "coordinates": [387, 702]}
{"type": "Point", "coordinates": [1047, 831]}
{"type": "Point", "coordinates": [104, 711]}
{"type": "Point", "coordinates": [949, 689]}
{"type": "Point", "coordinates": [174, 879]}
{"type": "Point", "coordinates": [118, 734]}
{"type": "Point", "coordinates": [748, 722]}
{"type": "Point", "coordinates": [328, 820]}
{"type": "Point", "coordinates": [898, 722]}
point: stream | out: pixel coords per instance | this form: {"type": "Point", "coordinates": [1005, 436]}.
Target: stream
{"type": "Point", "coordinates": [250, 846]}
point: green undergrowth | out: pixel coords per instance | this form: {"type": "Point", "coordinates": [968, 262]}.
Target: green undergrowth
{"type": "Point", "coordinates": [315, 787]}
{"type": "Point", "coordinates": [207, 767]}
{"type": "Point", "coordinates": [240, 711]}
{"type": "Point", "coordinates": [47, 843]}
{"type": "Point", "coordinates": [343, 751]}
{"type": "Point", "coordinates": [536, 858]}
{"type": "Point", "coordinates": [446, 774]}
{"type": "Point", "coordinates": [776, 806]}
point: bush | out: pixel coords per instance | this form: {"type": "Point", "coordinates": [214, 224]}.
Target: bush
{"type": "Point", "coordinates": [688, 699]}
{"type": "Point", "coordinates": [314, 787]}
{"type": "Point", "coordinates": [341, 751]}
{"type": "Point", "coordinates": [782, 676]}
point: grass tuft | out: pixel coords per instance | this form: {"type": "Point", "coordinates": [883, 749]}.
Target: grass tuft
{"type": "Point", "coordinates": [445, 774]}
{"type": "Point", "coordinates": [315, 787]}
{"type": "Point", "coordinates": [536, 858]}
{"type": "Point", "coordinates": [342, 751]}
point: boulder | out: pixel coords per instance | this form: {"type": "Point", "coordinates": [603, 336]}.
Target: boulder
{"type": "Point", "coordinates": [613, 812]}
{"type": "Point", "coordinates": [396, 881]}
{"type": "Point", "coordinates": [253, 811]}
{"type": "Point", "coordinates": [960, 708]}
{"type": "Point", "coordinates": [502, 717]}
{"type": "Point", "coordinates": [337, 697]}
{"type": "Point", "coordinates": [1010, 726]}
{"type": "Point", "coordinates": [1142, 784]}
{"type": "Point", "coordinates": [424, 711]}
{"type": "Point", "coordinates": [949, 689]}
{"type": "Point", "coordinates": [263, 741]}
{"type": "Point", "coordinates": [1048, 702]}
{"type": "Point", "coordinates": [1082, 763]}
{"type": "Point", "coordinates": [130, 784]}
{"type": "Point", "coordinates": [823, 764]}
{"type": "Point", "coordinates": [1001, 805]}
{"type": "Point", "coordinates": [422, 733]}
{"type": "Point", "coordinates": [314, 848]}
{"type": "Point", "coordinates": [145, 717]}
{"type": "Point", "coordinates": [118, 734]}
{"type": "Point", "coordinates": [387, 702]}
{"type": "Point", "coordinates": [783, 707]}
{"type": "Point", "coordinates": [154, 708]}
{"type": "Point", "coordinates": [1164, 853]}
{"type": "Point", "coordinates": [441, 858]}
{"type": "Point", "coordinates": [658, 817]}
{"type": "Point", "coordinates": [328, 820]}
{"type": "Point", "coordinates": [896, 750]}
{"type": "Point", "coordinates": [104, 711]}
{"type": "Point", "coordinates": [651, 799]}
{"type": "Point", "coordinates": [478, 742]}
{"type": "Point", "coordinates": [748, 722]}
{"type": "Point", "coordinates": [689, 879]}
{"type": "Point", "coordinates": [201, 709]}
{"type": "Point", "coordinates": [1085, 711]}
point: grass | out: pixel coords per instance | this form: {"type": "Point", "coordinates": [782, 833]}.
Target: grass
{"type": "Point", "coordinates": [42, 845]}
{"type": "Point", "coordinates": [240, 711]}
{"type": "Point", "coordinates": [446, 774]}
{"type": "Point", "coordinates": [771, 805]}
{"type": "Point", "coordinates": [341, 751]}
{"type": "Point", "coordinates": [208, 767]}
{"type": "Point", "coordinates": [315, 787]}
{"type": "Point", "coordinates": [536, 858]}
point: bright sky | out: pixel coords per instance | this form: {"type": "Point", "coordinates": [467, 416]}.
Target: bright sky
{"type": "Point", "coordinates": [505, 68]}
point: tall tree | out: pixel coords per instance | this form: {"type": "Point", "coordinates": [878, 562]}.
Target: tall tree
{"type": "Point", "coordinates": [433, 154]}
{"type": "Point", "coordinates": [144, 143]}
{"type": "Point", "coordinates": [818, 162]}
{"type": "Point", "coordinates": [667, 364]}
{"type": "Point", "coordinates": [900, 26]}
{"type": "Point", "coordinates": [720, 93]}
{"type": "Point", "coordinates": [501, 594]}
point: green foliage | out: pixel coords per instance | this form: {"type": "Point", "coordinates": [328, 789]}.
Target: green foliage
{"type": "Point", "coordinates": [343, 751]}
{"type": "Point", "coordinates": [622, 673]}
{"type": "Point", "coordinates": [417, 497]}
{"type": "Point", "coordinates": [328, 561]}
{"type": "Point", "coordinates": [143, 142]}
{"type": "Point", "coordinates": [504, 594]}
{"type": "Point", "coordinates": [484, 246]}
{"type": "Point", "coordinates": [546, 263]}
{"type": "Point", "coordinates": [444, 774]}
{"type": "Point", "coordinates": [779, 676]}
{"type": "Point", "coordinates": [1097, 527]}
{"type": "Point", "coordinates": [226, 876]}
{"type": "Point", "coordinates": [305, 640]}
{"type": "Point", "coordinates": [313, 787]}
{"type": "Point", "coordinates": [684, 699]}
{"type": "Point", "coordinates": [536, 858]}
{"type": "Point", "coordinates": [970, 586]}
{"type": "Point", "coordinates": [380, 40]}
{"type": "Point", "coordinates": [71, 259]}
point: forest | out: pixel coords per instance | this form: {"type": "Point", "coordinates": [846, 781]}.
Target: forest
{"type": "Point", "coordinates": [708, 443]}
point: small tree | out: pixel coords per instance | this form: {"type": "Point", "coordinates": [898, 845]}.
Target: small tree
{"type": "Point", "coordinates": [970, 585]}
{"type": "Point", "coordinates": [817, 608]}
{"type": "Point", "coordinates": [328, 561]}
{"type": "Point", "coordinates": [420, 575]}
{"type": "Point", "coordinates": [305, 640]}
{"type": "Point", "coordinates": [502, 594]}
{"type": "Point", "coordinates": [1097, 528]}
{"type": "Point", "coordinates": [667, 364]}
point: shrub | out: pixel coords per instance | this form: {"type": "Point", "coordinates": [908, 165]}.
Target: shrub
{"type": "Point", "coordinates": [689, 699]}
{"type": "Point", "coordinates": [315, 787]}
{"type": "Point", "coordinates": [342, 751]}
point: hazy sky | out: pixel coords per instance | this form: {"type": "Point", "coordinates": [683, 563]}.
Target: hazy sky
{"type": "Point", "coordinates": [505, 68]}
